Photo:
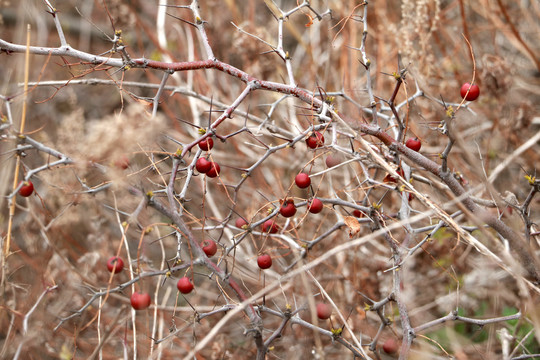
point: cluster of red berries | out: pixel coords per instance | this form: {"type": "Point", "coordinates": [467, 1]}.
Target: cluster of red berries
{"type": "Point", "coordinates": [210, 168]}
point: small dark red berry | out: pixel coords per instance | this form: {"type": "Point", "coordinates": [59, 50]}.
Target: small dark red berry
{"type": "Point", "coordinates": [202, 165]}
{"type": "Point", "coordinates": [206, 144]}
{"type": "Point", "coordinates": [184, 285]}
{"type": "Point", "coordinates": [315, 140]}
{"type": "Point", "coordinates": [324, 311]}
{"type": "Point", "coordinates": [270, 226]}
{"type": "Point", "coordinates": [474, 92]}
{"type": "Point", "coordinates": [390, 178]}
{"type": "Point", "coordinates": [27, 189]}
{"type": "Point", "coordinates": [315, 206]}
{"type": "Point", "coordinates": [264, 261]}
{"type": "Point", "coordinates": [288, 209]}
{"type": "Point", "coordinates": [302, 180]}
{"type": "Point", "coordinates": [358, 213]}
{"type": "Point", "coordinates": [115, 264]}
{"type": "Point", "coordinates": [390, 346]}
{"type": "Point", "coordinates": [413, 144]}
{"type": "Point", "coordinates": [214, 170]}
{"type": "Point", "coordinates": [209, 247]}
{"type": "Point", "coordinates": [240, 223]}
{"type": "Point", "coordinates": [122, 162]}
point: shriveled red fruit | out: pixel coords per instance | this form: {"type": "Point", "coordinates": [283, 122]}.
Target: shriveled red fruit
{"type": "Point", "coordinates": [184, 285]}
{"type": "Point", "coordinates": [140, 300]}
{"type": "Point", "coordinates": [390, 346]}
{"type": "Point", "coordinates": [315, 206]}
{"type": "Point", "coordinates": [264, 261]}
{"type": "Point", "coordinates": [270, 226]}
{"type": "Point", "coordinates": [332, 160]}
{"type": "Point", "coordinates": [202, 165]}
{"type": "Point", "coordinates": [287, 208]}
{"type": "Point", "coordinates": [115, 264]}
{"type": "Point", "coordinates": [214, 170]}
{"type": "Point", "coordinates": [315, 140]}
{"type": "Point", "coordinates": [27, 189]}
{"type": "Point", "coordinates": [413, 144]}
{"type": "Point", "coordinates": [474, 92]}
{"type": "Point", "coordinates": [206, 144]}
{"type": "Point", "coordinates": [239, 223]}
{"type": "Point", "coordinates": [324, 311]}
{"type": "Point", "coordinates": [209, 247]}
{"type": "Point", "coordinates": [302, 180]}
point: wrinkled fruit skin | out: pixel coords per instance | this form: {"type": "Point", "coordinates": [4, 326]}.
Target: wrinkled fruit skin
{"type": "Point", "coordinates": [27, 189]}
{"type": "Point", "coordinates": [270, 226]}
{"type": "Point", "coordinates": [473, 94]}
{"type": "Point", "coordinates": [390, 346]}
{"type": "Point", "coordinates": [302, 180]}
{"type": "Point", "coordinates": [413, 144]}
{"type": "Point", "coordinates": [202, 165]}
{"type": "Point", "coordinates": [140, 300]}
{"type": "Point", "coordinates": [209, 247]}
{"type": "Point", "coordinates": [324, 311]}
{"type": "Point", "coordinates": [315, 140]}
{"type": "Point", "coordinates": [184, 285]}
{"type": "Point", "coordinates": [332, 160]}
{"type": "Point", "coordinates": [315, 206]}
{"type": "Point", "coordinates": [214, 170]}
{"type": "Point", "coordinates": [264, 261]}
{"type": "Point", "coordinates": [288, 209]}
{"type": "Point", "coordinates": [206, 144]}
{"type": "Point", "coordinates": [115, 264]}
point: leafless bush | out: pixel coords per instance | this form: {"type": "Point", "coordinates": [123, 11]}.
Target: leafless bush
{"type": "Point", "coordinates": [433, 252]}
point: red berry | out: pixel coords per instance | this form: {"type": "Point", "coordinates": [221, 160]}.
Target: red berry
{"type": "Point", "coordinates": [239, 223]}
{"type": "Point", "coordinates": [140, 300]}
{"type": "Point", "coordinates": [315, 206]}
{"type": "Point", "coordinates": [209, 247]}
{"type": "Point", "coordinates": [184, 285]}
{"type": "Point", "coordinates": [206, 144]}
{"type": "Point", "coordinates": [474, 92]}
{"type": "Point", "coordinates": [324, 311]}
{"type": "Point", "coordinates": [122, 162]}
{"type": "Point", "coordinates": [264, 261]}
{"type": "Point", "coordinates": [270, 226]}
{"type": "Point", "coordinates": [202, 165]}
{"type": "Point", "coordinates": [288, 209]}
{"type": "Point", "coordinates": [358, 213]}
{"type": "Point", "coordinates": [214, 170]}
{"type": "Point", "coordinates": [390, 178]}
{"type": "Point", "coordinates": [315, 140]}
{"type": "Point", "coordinates": [390, 346]}
{"type": "Point", "coordinates": [115, 264]}
{"type": "Point", "coordinates": [302, 180]}
{"type": "Point", "coordinates": [27, 189]}
{"type": "Point", "coordinates": [413, 144]}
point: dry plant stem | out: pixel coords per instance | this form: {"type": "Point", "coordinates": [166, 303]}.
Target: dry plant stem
{"type": "Point", "coordinates": [294, 319]}
{"type": "Point", "coordinates": [517, 242]}
{"type": "Point", "coordinates": [204, 260]}
{"type": "Point", "coordinates": [515, 31]}
{"type": "Point", "coordinates": [453, 316]}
